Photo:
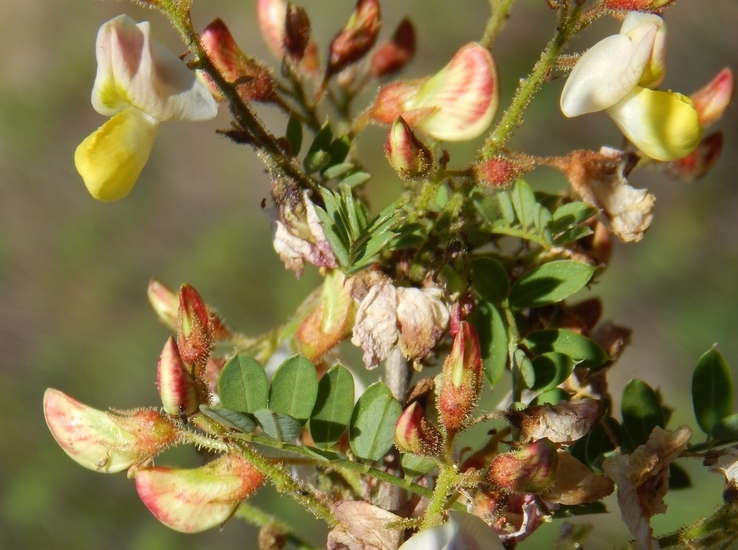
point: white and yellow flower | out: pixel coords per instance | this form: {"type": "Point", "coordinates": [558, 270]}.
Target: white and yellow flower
{"type": "Point", "coordinates": [139, 83]}
{"type": "Point", "coordinates": [619, 75]}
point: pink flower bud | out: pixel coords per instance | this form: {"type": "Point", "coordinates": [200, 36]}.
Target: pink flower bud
{"type": "Point", "coordinates": [254, 80]}
{"type": "Point", "coordinates": [393, 55]}
{"type": "Point", "coordinates": [636, 5]}
{"type": "Point", "coordinates": [356, 38]}
{"type": "Point", "coordinates": [698, 162]}
{"type": "Point", "coordinates": [103, 441]}
{"type": "Point", "coordinates": [330, 320]}
{"type": "Point", "coordinates": [194, 332]}
{"type": "Point", "coordinates": [271, 15]}
{"type": "Point", "coordinates": [296, 31]}
{"type": "Point", "coordinates": [529, 470]}
{"type": "Point", "coordinates": [461, 379]}
{"type": "Point", "coordinates": [712, 100]}
{"type": "Point", "coordinates": [409, 156]}
{"type": "Point", "coordinates": [177, 388]}
{"type": "Point", "coordinates": [165, 303]}
{"type": "Point", "coordinates": [414, 433]}
{"type": "Point", "coordinates": [501, 171]}
{"type": "Point", "coordinates": [197, 499]}
{"type": "Point", "coordinates": [456, 104]}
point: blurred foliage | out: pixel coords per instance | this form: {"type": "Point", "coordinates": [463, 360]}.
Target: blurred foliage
{"type": "Point", "coordinates": [73, 272]}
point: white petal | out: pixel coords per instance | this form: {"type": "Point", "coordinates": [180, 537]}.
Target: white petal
{"type": "Point", "coordinates": [462, 531]}
{"type": "Point", "coordinates": [664, 125]}
{"type": "Point", "coordinates": [639, 26]}
{"type": "Point", "coordinates": [111, 159]}
{"type": "Point", "coordinates": [606, 73]}
{"type": "Point", "coordinates": [134, 69]}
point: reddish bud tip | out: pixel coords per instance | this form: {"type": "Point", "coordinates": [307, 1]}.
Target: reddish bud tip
{"type": "Point", "coordinates": [193, 500]}
{"type": "Point", "coordinates": [356, 38]}
{"type": "Point", "coordinates": [529, 470]}
{"type": "Point", "coordinates": [637, 5]}
{"type": "Point", "coordinates": [194, 336]}
{"type": "Point", "coordinates": [499, 172]}
{"type": "Point", "coordinates": [393, 55]}
{"type": "Point", "coordinates": [270, 15]}
{"type": "Point", "coordinates": [177, 387]}
{"type": "Point", "coordinates": [698, 162]}
{"type": "Point", "coordinates": [461, 379]}
{"type": "Point", "coordinates": [409, 156]}
{"type": "Point", "coordinates": [165, 303]}
{"type": "Point", "coordinates": [414, 433]}
{"type": "Point", "coordinates": [712, 100]}
{"type": "Point", "coordinates": [296, 32]}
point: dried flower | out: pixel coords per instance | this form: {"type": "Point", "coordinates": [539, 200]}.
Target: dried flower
{"type": "Point", "coordinates": [139, 84]}
{"type": "Point", "coordinates": [575, 484]}
{"type": "Point", "coordinates": [363, 526]}
{"type": "Point", "coordinates": [562, 423]}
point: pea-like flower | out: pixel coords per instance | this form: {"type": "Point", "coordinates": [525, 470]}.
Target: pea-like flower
{"type": "Point", "coordinates": [619, 75]}
{"type": "Point", "coordinates": [139, 83]}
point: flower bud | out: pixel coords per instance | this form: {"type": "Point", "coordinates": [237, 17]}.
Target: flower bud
{"type": "Point", "coordinates": [296, 31]}
{"type": "Point", "coordinates": [193, 500]}
{"type": "Point", "coordinates": [194, 332]}
{"type": "Point", "coordinates": [165, 303]}
{"type": "Point", "coordinates": [461, 379]}
{"type": "Point", "coordinates": [330, 320]}
{"type": "Point", "coordinates": [393, 55]}
{"type": "Point", "coordinates": [103, 441]}
{"type": "Point", "coordinates": [500, 171]}
{"type": "Point", "coordinates": [712, 100]}
{"type": "Point", "coordinates": [636, 5]}
{"type": "Point", "coordinates": [529, 470]}
{"type": "Point", "coordinates": [356, 38]}
{"type": "Point", "coordinates": [271, 16]}
{"type": "Point", "coordinates": [456, 104]}
{"type": "Point", "coordinates": [414, 433]}
{"type": "Point", "coordinates": [406, 153]}
{"type": "Point", "coordinates": [698, 162]}
{"type": "Point", "coordinates": [254, 80]}
{"type": "Point", "coordinates": [177, 388]}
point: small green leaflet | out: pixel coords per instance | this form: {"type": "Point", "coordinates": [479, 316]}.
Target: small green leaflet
{"type": "Point", "coordinates": [550, 283]}
{"type": "Point", "coordinates": [372, 427]}
{"type": "Point", "coordinates": [294, 388]}
{"type": "Point", "coordinates": [229, 418]}
{"type": "Point", "coordinates": [712, 390]}
{"type": "Point", "coordinates": [642, 412]}
{"type": "Point", "coordinates": [279, 426]}
{"type": "Point", "coordinates": [587, 352]}
{"type": "Point", "coordinates": [333, 408]}
{"type": "Point", "coordinates": [243, 385]}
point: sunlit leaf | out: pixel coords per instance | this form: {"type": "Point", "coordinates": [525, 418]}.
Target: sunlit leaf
{"type": "Point", "coordinates": [333, 406]}
{"type": "Point", "coordinates": [415, 465]}
{"type": "Point", "coordinates": [279, 426]}
{"type": "Point", "coordinates": [580, 348]}
{"type": "Point", "coordinates": [524, 368]}
{"type": "Point", "coordinates": [550, 283]}
{"type": "Point", "coordinates": [294, 388]}
{"type": "Point", "coordinates": [553, 397]}
{"type": "Point", "coordinates": [551, 369]}
{"type": "Point", "coordinates": [372, 427]}
{"type": "Point", "coordinates": [229, 418]}
{"type": "Point", "coordinates": [492, 332]}
{"type": "Point", "coordinates": [243, 385]}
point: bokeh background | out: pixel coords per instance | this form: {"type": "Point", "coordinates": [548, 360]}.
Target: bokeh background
{"type": "Point", "coordinates": [73, 272]}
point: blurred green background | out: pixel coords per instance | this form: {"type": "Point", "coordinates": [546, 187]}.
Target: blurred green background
{"type": "Point", "coordinates": [73, 272]}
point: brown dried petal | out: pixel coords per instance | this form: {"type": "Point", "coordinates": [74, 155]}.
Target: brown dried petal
{"type": "Point", "coordinates": [562, 423]}
{"type": "Point", "coordinates": [642, 478]}
{"type": "Point", "coordinates": [363, 527]}
{"type": "Point", "coordinates": [574, 483]}
{"type": "Point", "coordinates": [422, 317]}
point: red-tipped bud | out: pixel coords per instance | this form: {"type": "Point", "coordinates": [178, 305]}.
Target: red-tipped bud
{"type": "Point", "coordinates": [393, 55]}
{"type": "Point", "coordinates": [296, 32]}
{"type": "Point", "coordinates": [409, 156]}
{"type": "Point", "coordinates": [712, 100]}
{"type": "Point", "coordinates": [529, 470]}
{"type": "Point", "coordinates": [698, 162]}
{"type": "Point", "coordinates": [271, 15]}
{"type": "Point", "coordinates": [499, 172]}
{"type": "Point", "coordinates": [103, 441]}
{"type": "Point", "coordinates": [330, 320]}
{"type": "Point", "coordinates": [461, 379]}
{"type": "Point", "coordinates": [177, 388]}
{"type": "Point", "coordinates": [637, 5]}
{"type": "Point", "coordinates": [197, 499]}
{"type": "Point", "coordinates": [255, 82]}
{"type": "Point", "coordinates": [165, 303]}
{"type": "Point", "coordinates": [356, 38]}
{"type": "Point", "coordinates": [194, 333]}
{"type": "Point", "coordinates": [414, 433]}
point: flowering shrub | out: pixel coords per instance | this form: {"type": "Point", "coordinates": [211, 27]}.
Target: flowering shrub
{"type": "Point", "coordinates": [467, 281]}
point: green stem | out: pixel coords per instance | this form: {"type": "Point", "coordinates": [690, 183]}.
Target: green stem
{"type": "Point", "coordinates": [258, 517]}
{"type": "Point", "coordinates": [500, 14]}
{"type": "Point", "coordinates": [446, 483]}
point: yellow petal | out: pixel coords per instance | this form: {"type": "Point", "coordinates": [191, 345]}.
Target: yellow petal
{"type": "Point", "coordinates": [110, 159]}
{"type": "Point", "coordinates": [664, 125]}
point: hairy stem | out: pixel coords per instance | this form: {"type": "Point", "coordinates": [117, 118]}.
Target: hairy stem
{"type": "Point", "coordinates": [500, 14]}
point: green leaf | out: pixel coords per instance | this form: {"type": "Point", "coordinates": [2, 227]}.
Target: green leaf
{"type": "Point", "coordinates": [524, 368]}
{"type": "Point", "coordinates": [506, 207]}
{"type": "Point", "coordinates": [356, 179]}
{"type": "Point", "coordinates": [415, 465]}
{"type": "Point", "coordinates": [318, 156]}
{"type": "Point", "coordinates": [294, 135]}
{"type": "Point", "coordinates": [372, 427]}
{"type": "Point", "coordinates": [573, 234]}
{"type": "Point", "coordinates": [490, 279]}
{"type": "Point", "coordinates": [315, 161]}
{"type": "Point", "coordinates": [229, 418]}
{"type": "Point", "coordinates": [599, 442]}
{"type": "Point", "coordinates": [571, 215]}
{"type": "Point", "coordinates": [551, 369]}
{"type": "Point", "coordinates": [678, 477]}
{"type": "Point", "coordinates": [492, 332]}
{"type": "Point", "coordinates": [333, 408]}
{"type": "Point", "coordinates": [641, 410]}
{"type": "Point", "coordinates": [550, 283]}
{"type": "Point", "coordinates": [712, 390]}
{"type": "Point", "coordinates": [580, 348]}
{"type": "Point", "coordinates": [524, 202]}
{"type": "Point", "coordinates": [294, 388]}
{"type": "Point", "coordinates": [554, 397]}
{"type": "Point", "coordinates": [338, 149]}
{"type": "Point", "coordinates": [726, 427]}
{"type": "Point", "coordinates": [243, 385]}
{"type": "Point", "coordinates": [279, 426]}
{"type": "Point", "coordinates": [338, 170]}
